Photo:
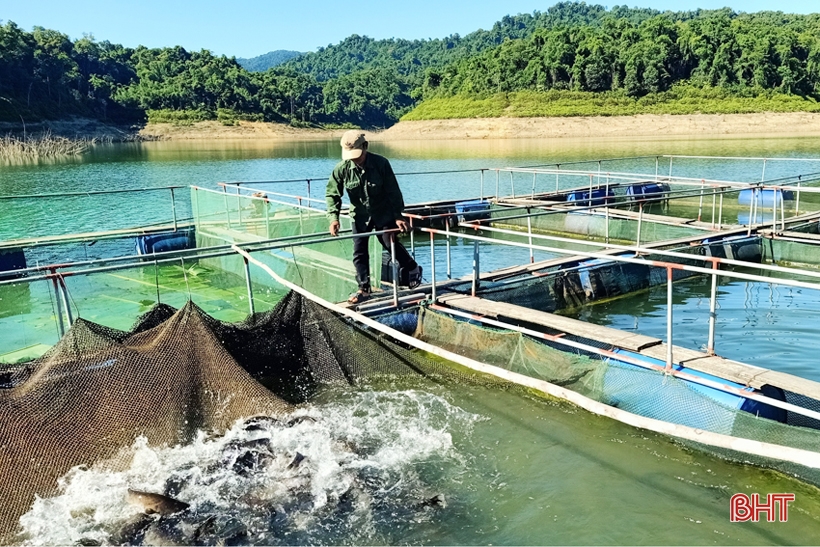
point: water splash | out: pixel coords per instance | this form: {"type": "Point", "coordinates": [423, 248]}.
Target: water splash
{"type": "Point", "coordinates": [361, 469]}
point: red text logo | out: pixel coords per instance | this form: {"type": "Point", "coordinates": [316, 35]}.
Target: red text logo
{"type": "Point", "coordinates": [749, 508]}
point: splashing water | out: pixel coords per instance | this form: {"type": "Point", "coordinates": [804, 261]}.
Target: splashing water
{"type": "Point", "coordinates": [358, 470]}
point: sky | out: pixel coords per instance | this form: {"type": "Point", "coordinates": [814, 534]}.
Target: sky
{"type": "Point", "coordinates": [245, 28]}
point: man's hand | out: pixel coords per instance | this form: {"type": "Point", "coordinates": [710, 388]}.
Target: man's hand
{"type": "Point", "coordinates": [402, 226]}
{"type": "Point", "coordinates": [334, 228]}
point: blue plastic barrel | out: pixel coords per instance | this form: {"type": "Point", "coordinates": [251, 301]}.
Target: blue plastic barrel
{"type": "Point", "coordinates": [646, 190]}
{"type": "Point", "coordinates": [472, 209]}
{"type": "Point", "coordinates": [766, 197]}
{"type": "Point", "coordinates": [166, 241]}
{"type": "Point", "coordinates": [10, 260]}
{"type": "Point", "coordinates": [599, 197]}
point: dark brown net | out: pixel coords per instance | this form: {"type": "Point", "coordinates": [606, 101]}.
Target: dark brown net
{"type": "Point", "coordinates": [174, 373]}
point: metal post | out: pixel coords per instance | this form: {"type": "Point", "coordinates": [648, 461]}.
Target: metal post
{"type": "Point", "coordinates": [267, 218]}
{"type": "Point", "coordinates": [64, 296]}
{"type": "Point", "coordinates": [497, 176]}
{"type": "Point", "coordinates": [751, 211]}
{"type": "Point", "coordinates": [433, 268]}
{"type": "Point", "coordinates": [782, 210]}
{"type": "Point", "coordinates": [195, 205]}
{"type": "Point", "coordinates": [670, 167]}
{"type": "Point", "coordinates": [714, 203]}
{"type": "Point", "coordinates": [797, 203]}
{"type": "Point", "coordinates": [532, 194]}
{"type": "Point", "coordinates": [239, 207]}
{"type": "Point", "coordinates": [640, 219]}
{"type": "Point", "coordinates": [248, 284]}
{"type": "Point", "coordinates": [720, 213]}
{"type": "Point", "coordinates": [763, 176]}
{"type": "Point", "coordinates": [599, 172]}
{"type": "Point", "coordinates": [710, 344]}
{"type": "Point", "coordinates": [529, 232]}
{"type": "Point", "coordinates": [656, 168]}
{"type": "Point", "coordinates": [308, 187]}
{"type": "Point", "coordinates": [447, 229]}
{"type": "Point", "coordinates": [58, 301]}
{"type": "Point", "coordinates": [412, 240]}
{"type": "Point", "coordinates": [512, 185]}
{"type": "Point", "coordinates": [606, 208]}
{"type": "Point", "coordinates": [395, 270]}
{"type": "Point", "coordinates": [174, 209]}
{"type": "Point", "coordinates": [476, 267]}
{"type": "Point", "coordinates": [774, 210]}
{"type": "Point", "coordinates": [700, 205]}
{"type": "Point", "coordinates": [227, 210]}
{"type": "Point", "coordinates": [589, 203]}
{"type": "Point", "coordinates": [482, 184]}
{"type": "Point", "coordinates": [558, 167]}
{"type": "Point", "coordinates": [668, 319]}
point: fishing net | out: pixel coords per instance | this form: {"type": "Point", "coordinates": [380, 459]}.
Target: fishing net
{"type": "Point", "coordinates": [325, 268]}
{"type": "Point", "coordinates": [173, 374]}
{"type": "Point", "coordinates": [628, 387]}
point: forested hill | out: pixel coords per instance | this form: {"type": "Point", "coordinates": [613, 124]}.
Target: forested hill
{"type": "Point", "coordinates": [411, 58]}
{"type": "Point", "coordinates": [572, 59]}
{"type": "Point", "coordinates": [261, 63]}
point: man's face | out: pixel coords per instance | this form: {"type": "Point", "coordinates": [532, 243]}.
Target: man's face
{"type": "Point", "coordinates": [360, 160]}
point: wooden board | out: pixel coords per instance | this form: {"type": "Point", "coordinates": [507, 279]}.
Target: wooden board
{"type": "Point", "coordinates": [615, 337]}
{"type": "Point", "coordinates": [734, 371]}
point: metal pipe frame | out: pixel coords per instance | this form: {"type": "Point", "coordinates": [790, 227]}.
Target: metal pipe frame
{"type": "Point", "coordinates": [136, 261]}
{"type": "Point", "coordinates": [785, 453]}
{"type": "Point", "coordinates": [645, 262]}
{"type": "Point", "coordinates": [646, 250]}
{"type": "Point", "coordinates": [91, 193]}
{"type": "Point", "coordinates": [558, 339]}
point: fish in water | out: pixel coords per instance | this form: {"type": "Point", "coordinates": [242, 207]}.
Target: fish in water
{"type": "Point", "coordinates": [152, 503]}
{"type": "Point", "coordinates": [297, 460]}
{"type": "Point", "coordinates": [435, 501]}
{"type": "Point", "coordinates": [258, 423]}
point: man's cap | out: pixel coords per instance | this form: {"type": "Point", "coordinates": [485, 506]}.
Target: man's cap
{"type": "Point", "coordinates": [353, 142]}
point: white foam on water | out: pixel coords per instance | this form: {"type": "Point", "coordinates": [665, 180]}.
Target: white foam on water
{"type": "Point", "coordinates": [369, 459]}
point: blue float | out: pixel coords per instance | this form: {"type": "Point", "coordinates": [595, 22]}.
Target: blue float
{"type": "Point", "coordinates": [166, 241]}
{"type": "Point", "coordinates": [599, 196]}
{"type": "Point", "coordinates": [473, 209]}
{"type": "Point", "coordinates": [766, 197]}
{"type": "Point", "coordinates": [646, 190]}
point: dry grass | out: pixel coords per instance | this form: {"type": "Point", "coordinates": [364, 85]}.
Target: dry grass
{"type": "Point", "coordinates": [45, 145]}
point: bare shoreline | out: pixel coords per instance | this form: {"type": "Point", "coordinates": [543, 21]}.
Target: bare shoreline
{"type": "Point", "coordinates": [654, 126]}
{"type": "Point", "coordinates": [643, 126]}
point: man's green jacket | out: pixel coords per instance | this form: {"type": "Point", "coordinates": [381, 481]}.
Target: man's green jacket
{"type": "Point", "coordinates": [373, 191]}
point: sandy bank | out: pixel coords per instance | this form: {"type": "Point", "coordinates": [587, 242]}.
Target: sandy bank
{"type": "Point", "coordinates": [770, 124]}
{"type": "Point", "coordinates": [243, 130]}
{"type": "Point", "coordinates": [644, 125]}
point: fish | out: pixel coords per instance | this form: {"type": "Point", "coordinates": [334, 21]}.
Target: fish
{"type": "Point", "coordinates": [297, 460]}
{"type": "Point", "coordinates": [435, 501]}
{"type": "Point", "coordinates": [152, 503]}
{"type": "Point", "coordinates": [296, 420]}
{"type": "Point", "coordinates": [133, 531]}
{"type": "Point", "coordinates": [258, 423]}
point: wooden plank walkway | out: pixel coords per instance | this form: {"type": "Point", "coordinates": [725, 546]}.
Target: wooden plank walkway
{"type": "Point", "coordinates": [734, 371]}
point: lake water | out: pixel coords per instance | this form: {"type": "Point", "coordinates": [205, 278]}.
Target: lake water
{"type": "Point", "coordinates": [513, 469]}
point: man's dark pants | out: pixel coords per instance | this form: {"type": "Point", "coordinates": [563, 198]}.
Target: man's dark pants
{"type": "Point", "coordinates": [361, 257]}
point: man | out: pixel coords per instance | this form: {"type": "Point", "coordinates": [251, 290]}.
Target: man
{"type": "Point", "coordinates": [376, 203]}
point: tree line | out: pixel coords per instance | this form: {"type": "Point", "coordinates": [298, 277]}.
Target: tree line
{"type": "Point", "coordinates": [572, 47]}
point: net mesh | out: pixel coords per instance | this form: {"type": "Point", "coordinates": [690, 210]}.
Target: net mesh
{"type": "Point", "coordinates": [631, 388]}
{"type": "Point", "coordinates": [176, 372]}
